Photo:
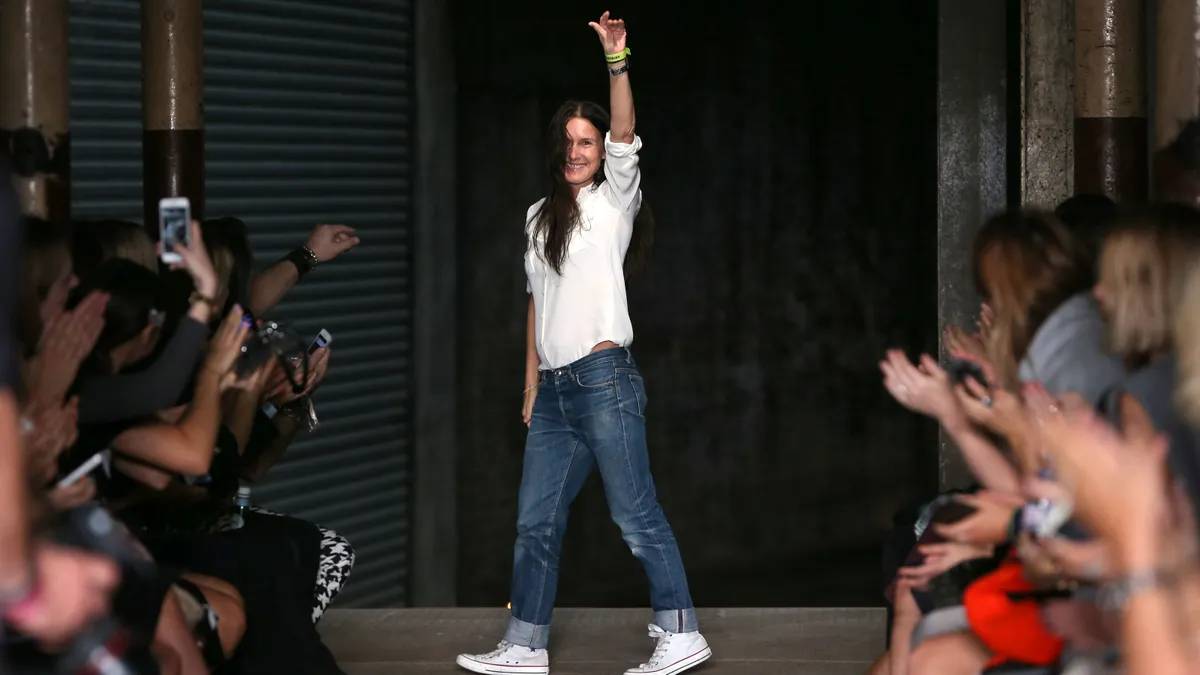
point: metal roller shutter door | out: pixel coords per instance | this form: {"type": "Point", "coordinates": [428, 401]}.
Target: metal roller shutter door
{"type": "Point", "coordinates": [308, 119]}
{"type": "Point", "coordinates": [106, 108]}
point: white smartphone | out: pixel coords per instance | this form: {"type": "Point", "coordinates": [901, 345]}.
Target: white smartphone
{"type": "Point", "coordinates": [82, 470]}
{"type": "Point", "coordinates": [174, 226]}
{"type": "Point", "coordinates": [323, 339]}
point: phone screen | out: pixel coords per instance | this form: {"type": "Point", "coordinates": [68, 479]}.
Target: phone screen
{"type": "Point", "coordinates": [319, 342]}
{"type": "Point", "coordinates": [174, 227]}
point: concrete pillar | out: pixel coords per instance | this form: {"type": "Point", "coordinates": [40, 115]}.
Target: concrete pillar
{"type": "Point", "coordinates": [35, 104]}
{"type": "Point", "coordinates": [1111, 154]}
{"type": "Point", "coordinates": [1047, 102]}
{"type": "Point", "coordinates": [435, 500]}
{"type": "Point", "coordinates": [172, 105]}
{"type": "Point", "coordinates": [972, 140]}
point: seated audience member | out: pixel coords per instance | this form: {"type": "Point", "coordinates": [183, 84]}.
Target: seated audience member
{"type": "Point", "coordinates": [154, 610]}
{"type": "Point", "coordinates": [1088, 218]}
{"type": "Point", "coordinates": [95, 241]}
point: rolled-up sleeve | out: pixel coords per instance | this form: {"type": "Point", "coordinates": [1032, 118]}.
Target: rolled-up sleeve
{"type": "Point", "coordinates": [621, 171]}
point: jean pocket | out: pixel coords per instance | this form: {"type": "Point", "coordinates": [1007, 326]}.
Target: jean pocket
{"type": "Point", "coordinates": [636, 395]}
{"type": "Point", "coordinates": [597, 378]}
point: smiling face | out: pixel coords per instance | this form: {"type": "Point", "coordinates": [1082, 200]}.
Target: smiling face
{"type": "Point", "coordinates": [585, 152]}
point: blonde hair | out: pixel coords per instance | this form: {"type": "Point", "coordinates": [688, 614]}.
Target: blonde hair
{"type": "Point", "coordinates": [1141, 271]}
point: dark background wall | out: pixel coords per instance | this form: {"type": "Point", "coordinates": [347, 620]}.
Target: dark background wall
{"type": "Point", "coordinates": [790, 161]}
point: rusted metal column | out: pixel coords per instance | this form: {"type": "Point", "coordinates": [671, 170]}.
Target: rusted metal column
{"type": "Point", "coordinates": [35, 104]}
{"type": "Point", "coordinates": [1110, 100]}
{"type": "Point", "coordinates": [1047, 103]}
{"type": "Point", "coordinates": [172, 105]}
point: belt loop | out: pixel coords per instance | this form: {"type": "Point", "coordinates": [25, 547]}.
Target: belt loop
{"type": "Point", "coordinates": [628, 354]}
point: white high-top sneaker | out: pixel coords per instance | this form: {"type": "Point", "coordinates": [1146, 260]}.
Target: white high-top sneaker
{"type": "Point", "coordinates": [508, 658]}
{"type": "Point", "coordinates": [674, 653]}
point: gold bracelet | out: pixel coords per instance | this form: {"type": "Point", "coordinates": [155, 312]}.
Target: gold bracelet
{"type": "Point", "coordinates": [530, 388]}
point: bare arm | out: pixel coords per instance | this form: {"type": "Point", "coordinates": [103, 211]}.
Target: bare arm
{"type": "Point", "coordinates": [269, 286]}
{"type": "Point", "coordinates": [14, 514]}
{"type": "Point", "coordinates": [620, 102]}
{"type": "Point", "coordinates": [1150, 628]}
{"type": "Point", "coordinates": [620, 97]}
{"type": "Point", "coordinates": [185, 447]}
{"type": "Point", "coordinates": [531, 355]}
{"type": "Point", "coordinates": [984, 459]}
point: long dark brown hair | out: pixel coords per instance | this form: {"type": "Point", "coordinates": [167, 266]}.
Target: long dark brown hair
{"type": "Point", "coordinates": [558, 215]}
{"type": "Point", "coordinates": [1027, 263]}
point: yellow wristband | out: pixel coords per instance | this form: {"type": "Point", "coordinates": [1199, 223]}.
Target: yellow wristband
{"type": "Point", "coordinates": [618, 57]}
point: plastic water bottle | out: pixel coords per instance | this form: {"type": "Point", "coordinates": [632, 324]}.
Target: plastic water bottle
{"type": "Point", "coordinates": [242, 504]}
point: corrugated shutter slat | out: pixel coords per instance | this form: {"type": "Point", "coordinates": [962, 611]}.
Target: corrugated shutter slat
{"type": "Point", "coordinates": [308, 110]}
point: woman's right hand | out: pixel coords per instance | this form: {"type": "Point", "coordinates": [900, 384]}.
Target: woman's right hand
{"type": "Point", "coordinates": [527, 407]}
{"type": "Point", "coordinates": [65, 343]}
{"type": "Point", "coordinates": [226, 346]}
{"type": "Point", "coordinates": [924, 388]}
{"type": "Point", "coordinates": [197, 263]}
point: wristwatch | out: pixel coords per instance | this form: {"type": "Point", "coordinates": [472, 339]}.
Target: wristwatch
{"type": "Point", "coordinates": [197, 296]}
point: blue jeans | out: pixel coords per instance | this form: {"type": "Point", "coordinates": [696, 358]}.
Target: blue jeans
{"type": "Point", "coordinates": [591, 414]}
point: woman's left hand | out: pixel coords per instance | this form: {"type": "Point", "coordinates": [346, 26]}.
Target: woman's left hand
{"type": "Point", "coordinates": [280, 392]}
{"type": "Point", "coordinates": [611, 32]}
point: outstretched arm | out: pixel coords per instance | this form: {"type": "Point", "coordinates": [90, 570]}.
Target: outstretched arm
{"type": "Point", "coordinates": [620, 95]}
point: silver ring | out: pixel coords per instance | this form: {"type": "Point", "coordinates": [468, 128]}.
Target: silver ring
{"type": "Point", "coordinates": [986, 401]}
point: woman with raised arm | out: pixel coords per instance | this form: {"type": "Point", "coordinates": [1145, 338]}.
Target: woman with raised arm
{"type": "Point", "coordinates": [584, 397]}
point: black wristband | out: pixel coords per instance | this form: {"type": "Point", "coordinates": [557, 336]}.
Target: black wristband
{"type": "Point", "coordinates": [303, 258]}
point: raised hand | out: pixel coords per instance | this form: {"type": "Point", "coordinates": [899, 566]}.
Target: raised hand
{"type": "Point", "coordinates": [255, 383]}
{"type": "Point", "coordinates": [65, 342]}
{"type": "Point", "coordinates": [226, 346]}
{"type": "Point", "coordinates": [280, 388]}
{"type": "Point", "coordinates": [959, 342]}
{"type": "Point", "coordinates": [611, 33]}
{"type": "Point", "coordinates": [329, 241]}
{"type": "Point", "coordinates": [194, 258]}
{"type": "Point", "coordinates": [55, 428]}
{"type": "Point", "coordinates": [924, 388]}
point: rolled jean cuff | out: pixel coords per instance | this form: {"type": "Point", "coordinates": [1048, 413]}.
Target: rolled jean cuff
{"type": "Point", "coordinates": [677, 620]}
{"type": "Point", "coordinates": [527, 634]}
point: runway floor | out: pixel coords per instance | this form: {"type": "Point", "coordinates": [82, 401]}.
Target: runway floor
{"type": "Point", "coordinates": [749, 641]}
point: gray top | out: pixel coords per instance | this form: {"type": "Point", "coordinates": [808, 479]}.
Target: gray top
{"type": "Point", "coordinates": [1154, 388]}
{"type": "Point", "coordinates": [1067, 352]}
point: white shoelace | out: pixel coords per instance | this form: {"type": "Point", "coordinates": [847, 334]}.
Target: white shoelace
{"type": "Point", "coordinates": [500, 649]}
{"type": "Point", "coordinates": [660, 650]}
